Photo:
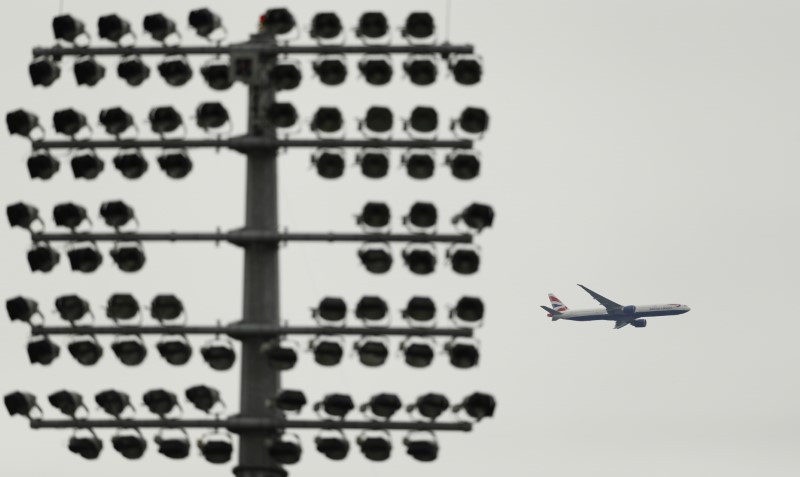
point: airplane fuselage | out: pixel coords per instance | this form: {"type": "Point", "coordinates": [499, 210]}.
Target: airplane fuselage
{"type": "Point", "coordinates": [628, 313]}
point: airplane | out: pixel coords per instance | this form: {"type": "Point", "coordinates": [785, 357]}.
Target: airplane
{"type": "Point", "coordinates": [612, 311]}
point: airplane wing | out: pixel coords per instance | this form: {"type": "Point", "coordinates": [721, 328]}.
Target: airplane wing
{"type": "Point", "coordinates": [620, 324]}
{"type": "Point", "coordinates": [611, 306]}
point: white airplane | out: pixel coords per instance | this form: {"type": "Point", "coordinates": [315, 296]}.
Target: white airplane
{"type": "Point", "coordinates": [622, 315]}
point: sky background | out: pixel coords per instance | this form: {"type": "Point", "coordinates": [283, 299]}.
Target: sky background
{"type": "Point", "coordinates": [647, 150]}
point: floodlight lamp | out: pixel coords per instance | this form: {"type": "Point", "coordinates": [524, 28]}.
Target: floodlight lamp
{"type": "Point", "coordinates": [332, 444]}
{"type": "Point", "coordinates": [473, 121]}
{"type": "Point", "coordinates": [204, 21]}
{"type": "Point", "coordinates": [42, 165]}
{"type": "Point", "coordinates": [131, 446]}
{"type": "Point", "coordinates": [113, 28]}
{"type": "Point", "coordinates": [431, 405]}
{"type": "Point", "coordinates": [335, 405]}
{"type": "Point", "coordinates": [160, 402]}
{"type": "Point", "coordinates": [464, 165]}
{"type": "Point", "coordinates": [376, 257]}
{"type": "Point", "coordinates": [331, 69]}
{"type": "Point", "coordinates": [159, 26]}
{"type": "Point", "coordinates": [376, 445]}
{"type": "Point", "coordinates": [86, 165]}
{"type": "Point", "coordinates": [203, 398]}
{"type": "Point", "coordinates": [133, 70]}
{"type": "Point", "coordinates": [423, 215]}
{"type": "Point", "coordinates": [42, 258]}
{"type": "Point", "coordinates": [285, 75]}
{"type": "Point", "coordinates": [422, 446]}
{"type": "Point", "coordinates": [420, 258]}
{"type": "Point", "coordinates": [371, 308]}
{"type": "Point", "coordinates": [42, 351]}
{"type": "Point", "coordinates": [421, 70]}
{"type": "Point", "coordinates": [20, 403]}
{"type": "Point", "coordinates": [379, 119]}
{"type": "Point", "coordinates": [86, 351]}
{"type": "Point", "coordinates": [86, 447]}
{"type": "Point", "coordinates": [68, 28]}
{"type": "Point", "coordinates": [376, 69]}
{"type": "Point", "coordinates": [173, 447]}
{"type": "Point", "coordinates": [374, 215]}
{"type": "Point", "coordinates": [69, 121]}
{"type": "Point", "coordinates": [217, 75]}
{"type": "Point", "coordinates": [211, 115]}
{"type": "Point", "coordinates": [84, 259]}
{"type": "Point", "coordinates": [69, 215]}
{"type": "Point", "coordinates": [116, 213]}
{"type": "Point", "coordinates": [176, 164]}
{"type": "Point", "coordinates": [423, 119]}
{"type": "Point", "coordinates": [44, 71]}
{"type": "Point", "coordinates": [219, 354]}
{"type": "Point", "coordinates": [419, 163]}
{"type": "Point", "coordinates": [115, 120]}
{"type": "Point", "coordinates": [464, 260]}
{"type": "Point", "coordinates": [326, 26]}
{"type": "Point", "coordinates": [476, 216]}
{"type": "Point", "coordinates": [383, 405]}
{"type": "Point", "coordinates": [279, 355]}
{"type": "Point", "coordinates": [418, 26]}
{"type": "Point", "coordinates": [466, 69]}
{"type": "Point", "coordinates": [332, 309]}
{"type": "Point", "coordinates": [175, 350]}
{"type": "Point", "coordinates": [22, 215]}
{"type": "Point", "coordinates": [327, 352]}
{"type": "Point", "coordinates": [282, 115]}
{"type": "Point", "coordinates": [290, 400]}
{"type": "Point", "coordinates": [164, 119]}
{"type": "Point", "coordinates": [478, 405]}
{"type": "Point", "coordinates": [130, 349]}
{"type": "Point", "coordinates": [72, 307]}
{"type": "Point", "coordinates": [88, 71]}
{"type": "Point", "coordinates": [122, 306]}
{"type": "Point", "coordinates": [420, 308]}
{"type": "Point", "coordinates": [469, 309]}
{"type": "Point", "coordinates": [166, 307]}
{"type": "Point", "coordinates": [327, 120]}
{"type": "Point", "coordinates": [372, 352]}
{"type": "Point", "coordinates": [22, 122]}
{"type": "Point", "coordinates": [22, 309]}
{"type": "Point", "coordinates": [372, 26]}
{"type": "Point", "coordinates": [418, 353]}
{"type": "Point", "coordinates": [329, 163]}
{"type": "Point", "coordinates": [286, 449]}
{"type": "Point", "coordinates": [175, 70]}
{"type": "Point", "coordinates": [216, 447]}
{"type": "Point", "coordinates": [463, 354]}
{"type": "Point", "coordinates": [113, 402]}
{"type": "Point", "coordinates": [68, 402]}
{"type": "Point", "coordinates": [278, 21]}
{"type": "Point", "coordinates": [374, 162]}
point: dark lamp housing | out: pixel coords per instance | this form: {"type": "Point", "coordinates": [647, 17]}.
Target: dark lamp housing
{"type": "Point", "coordinates": [327, 120]}
{"type": "Point", "coordinates": [20, 403]}
{"type": "Point", "coordinates": [419, 25]}
{"type": "Point", "coordinates": [278, 20]}
{"type": "Point", "coordinates": [372, 25]}
{"type": "Point", "coordinates": [176, 165]}
{"type": "Point", "coordinates": [290, 400]}
{"type": "Point", "coordinates": [69, 215]}
{"type": "Point", "coordinates": [329, 164]}
{"type": "Point", "coordinates": [67, 28]}
{"type": "Point", "coordinates": [166, 307]}
{"type": "Point", "coordinates": [474, 120]}
{"type": "Point", "coordinates": [175, 71]}
{"type": "Point", "coordinates": [336, 405]}
{"type": "Point", "coordinates": [211, 115]}
{"type": "Point", "coordinates": [159, 26]}
{"type": "Point", "coordinates": [379, 119]}
{"type": "Point", "coordinates": [285, 76]}
{"type": "Point", "coordinates": [131, 164]}
{"type": "Point", "coordinates": [373, 308]}
{"type": "Point", "coordinates": [44, 71]}
{"type": "Point", "coordinates": [122, 306]}
{"type": "Point", "coordinates": [21, 308]}
{"type": "Point", "coordinates": [21, 122]}
{"type": "Point", "coordinates": [203, 398]}
{"type": "Point", "coordinates": [432, 405]}
{"type": "Point", "coordinates": [375, 214]}
{"type": "Point", "coordinates": [332, 71]}
{"type": "Point", "coordinates": [133, 70]}
{"type": "Point", "coordinates": [204, 21]}
{"type": "Point", "coordinates": [176, 350]}
{"type": "Point", "coordinates": [327, 352]}
{"type": "Point", "coordinates": [43, 351]}
{"type": "Point", "coordinates": [22, 215]}
{"type": "Point", "coordinates": [220, 355]}
{"type": "Point", "coordinates": [42, 258]}
{"type": "Point", "coordinates": [424, 119]}
{"type": "Point", "coordinates": [115, 120]}
{"type": "Point", "coordinates": [420, 308]}
{"type": "Point", "coordinates": [130, 350]}
{"type": "Point", "coordinates": [377, 71]}
{"type": "Point", "coordinates": [331, 309]}
{"type": "Point", "coordinates": [376, 260]}
{"type": "Point", "coordinates": [384, 405]}
{"type": "Point", "coordinates": [88, 71]}
{"type": "Point", "coordinates": [374, 163]}
{"type": "Point", "coordinates": [217, 75]}
{"type": "Point", "coordinates": [418, 355]}
{"type": "Point", "coordinates": [372, 353]}
{"type": "Point", "coordinates": [160, 402]}
{"type": "Point", "coordinates": [421, 71]}
{"type": "Point", "coordinates": [42, 165]}
{"type": "Point", "coordinates": [128, 259]}
{"type": "Point", "coordinates": [419, 164]}
{"type": "Point", "coordinates": [86, 351]}
{"type": "Point", "coordinates": [376, 448]}
{"type": "Point", "coordinates": [422, 215]}
{"type": "Point", "coordinates": [71, 307]}
{"type": "Point", "coordinates": [86, 447]}
{"type": "Point", "coordinates": [113, 402]}
{"type": "Point", "coordinates": [113, 28]}
{"type": "Point", "coordinates": [282, 115]}
{"type": "Point", "coordinates": [68, 121]}
{"type": "Point", "coordinates": [116, 213]}
{"type": "Point", "coordinates": [86, 165]}
{"type": "Point", "coordinates": [84, 259]}
{"type": "Point", "coordinates": [164, 119]}
{"type": "Point", "coordinates": [464, 165]}
{"type": "Point", "coordinates": [326, 26]}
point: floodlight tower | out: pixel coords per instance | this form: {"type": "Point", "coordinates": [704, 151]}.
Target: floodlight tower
{"type": "Point", "coordinates": [263, 357]}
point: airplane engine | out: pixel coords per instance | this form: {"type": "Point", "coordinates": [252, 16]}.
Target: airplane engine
{"type": "Point", "coordinates": [629, 309]}
{"type": "Point", "coordinates": [639, 323]}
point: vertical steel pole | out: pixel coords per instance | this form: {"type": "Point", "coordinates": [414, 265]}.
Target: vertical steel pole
{"type": "Point", "coordinates": [261, 303]}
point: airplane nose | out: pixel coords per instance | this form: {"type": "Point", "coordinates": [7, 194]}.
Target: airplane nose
{"type": "Point", "coordinates": [687, 308]}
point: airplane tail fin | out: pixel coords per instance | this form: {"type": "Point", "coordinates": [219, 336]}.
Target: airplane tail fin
{"type": "Point", "coordinates": [557, 304]}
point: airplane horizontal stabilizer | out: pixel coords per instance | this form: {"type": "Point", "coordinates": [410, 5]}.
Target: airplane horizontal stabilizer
{"type": "Point", "coordinates": [553, 313]}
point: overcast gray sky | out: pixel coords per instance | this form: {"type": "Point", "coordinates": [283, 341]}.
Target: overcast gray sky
{"type": "Point", "coordinates": [645, 149]}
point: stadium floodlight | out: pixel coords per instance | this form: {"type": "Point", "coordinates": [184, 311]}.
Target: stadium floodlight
{"type": "Point", "coordinates": [421, 69]}
{"type": "Point", "coordinates": [290, 400]}
{"type": "Point", "coordinates": [23, 215]}
{"type": "Point", "coordinates": [418, 26]}
{"type": "Point", "coordinates": [175, 164]}
{"type": "Point", "coordinates": [476, 216]}
{"type": "Point", "coordinates": [219, 354]}
{"type": "Point", "coordinates": [21, 403]}
{"type": "Point", "coordinates": [330, 309]}
{"type": "Point", "coordinates": [376, 257]}
{"type": "Point", "coordinates": [72, 307]}
{"type": "Point", "coordinates": [175, 350]}
{"type": "Point", "coordinates": [285, 75]}
{"type": "Point", "coordinates": [22, 122]}
{"type": "Point", "coordinates": [129, 443]}
{"type": "Point", "coordinates": [278, 20]}
{"type": "Point", "coordinates": [44, 71]}
{"type": "Point", "coordinates": [87, 447]}
{"type": "Point", "coordinates": [372, 26]}
{"type": "Point", "coordinates": [422, 215]}
{"type": "Point", "coordinates": [332, 444]}
{"type": "Point", "coordinates": [86, 165]}
{"type": "Point", "coordinates": [375, 445]}
{"type": "Point", "coordinates": [327, 120]}
{"type": "Point", "coordinates": [42, 351]}
{"type": "Point", "coordinates": [161, 402]}
{"type": "Point", "coordinates": [203, 398]}
{"type": "Point", "coordinates": [326, 26]}
{"type": "Point", "coordinates": [86, 350]}
{"type": "Point", "coordinates": [69, 121]}
{"type": "Point", "coordinates": [376, 69]}
{"type": "Point", "coordinates": [478, 405]}
{"type": "Point", "coordinates": [42, 258]}
{"type": "Point", "coordinates": [204, 21]}
{"type": "Point", "coordinates": [430, 406]}
{"type": "Point", "coordinates": [115, 120]}
{"type": "Point", "coordinates": [420, 308]}
{"type": "Point", "coordinates": [285, 449]}
{"type": "Point", "coordinates": [282, 115]}
{"type": "Point", "coordinates": [464, 260]}
{"type": "Point", "coordinates": [113, 28]}
{"type": "Point", "coordinates": [68, 402]}
{"type": "Point", "coordinates": [176, 447]}
{"type": "Point", "coordinates": [463, 354]}
{"type": "Point", "coordinates": [166, 307]}
{"type": "Point", "coordinates": [69, 215]}
{"type": "Point", "coordinates": [473, 121]}
{"type": "Point", "coordinates": [211, 115]}
{"type": "Point", "coordinates": [335, 405]}
{"type": "Point", "coordinates": [129, 349]}
{"type": "Point", "coordinates": [113, 402]}
{"type": "Point", "coordinates": [128, 258]}
{"type": "Point", "coordinates": [329, 163]}
{"type": "Point", "coordinates": [466, 69]}
{"type": "Point", "coordinates": [374, 215]}
{"type": "Point", "coordinates": [378, 120]}
{"type": "Point", "coordinates": [371, 308]}
{"type": "Point", "coordinates": [84, 259]}
{"type": "Point", "coordinates": [419, 163]}
{"type": "Point", "coordinates": [133, 70]}
{"type": "Point", "coordinates": [464, 165]}
{"type": "Point", "coordinates": [327, 351]}
{"type": "Point", "coordinates": [418, 352]}
{"type": "Point", "coordinates": [88, 71]}
{"type": "Point", "coordinates": [68, 28]}
{"type": "Point", "coordinates": [423, 119]}
{"type": "Point", "coordinates": [383, 405]}
{"type": "Point", "coordinates": [217, 74]}
{"type": "Point", "coordinates": [216, 447]}
{"type": "Point", "coordinates": [164, 119]}
{"type": "Point", "coordinates": [175, 70]}
{"type": "Point", "coordinates": [122, 306]}
{"type": "Point", "coordinates": [22, 309]}
{"type": "Point", "coordinates": [372, 351]}
{"type": "Point", "coordinates": [374, 162]}
{"type": "Point", "coordinates": [159, 26]}
{"type": "Point", "coordinates": [116, 213]}
{"type": "Point", "coordinates": [331, 69]}
{"type": "Point", "coordinates": [280, 355]}
{"type": "Point", "coordinates": [42, 165]}
{"type": "Point", "coordinates": [422, 446]}
{"type": "Point", "coordinates": [420, 258]}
